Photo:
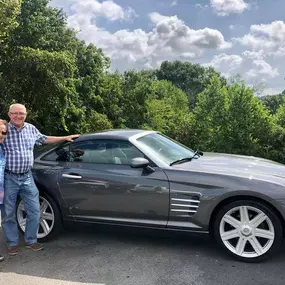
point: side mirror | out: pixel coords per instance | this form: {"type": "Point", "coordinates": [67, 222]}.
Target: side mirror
{"type": "Point", "coordinates": [139, 162]}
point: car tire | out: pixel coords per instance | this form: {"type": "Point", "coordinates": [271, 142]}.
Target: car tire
{"type": "Point", "coordinates": [50, 218]}
{"type": "Point", "coordinates": [248, 230]}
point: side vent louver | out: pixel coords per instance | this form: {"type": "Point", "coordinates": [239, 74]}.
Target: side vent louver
{"type": "Point", "coordinates": [187, 206]}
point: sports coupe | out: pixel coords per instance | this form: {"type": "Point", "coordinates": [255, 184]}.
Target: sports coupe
{"type": "Point", "coordinates": [141, 178]}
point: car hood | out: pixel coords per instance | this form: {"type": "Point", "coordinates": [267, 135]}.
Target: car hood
{"type": "Point", "coordinates": [234, 165]}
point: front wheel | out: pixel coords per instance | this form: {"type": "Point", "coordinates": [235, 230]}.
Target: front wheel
{"type": "Point", "coordinates": [249, 230]}
{"type": "Point", "coordinates": [50, 219]}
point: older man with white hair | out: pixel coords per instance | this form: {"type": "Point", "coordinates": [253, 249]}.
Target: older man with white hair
{"type": "Point", "coordinates": [18, 149]}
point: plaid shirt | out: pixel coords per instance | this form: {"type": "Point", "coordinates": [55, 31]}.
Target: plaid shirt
{"type": "Point", "coordinates": [19, 146]}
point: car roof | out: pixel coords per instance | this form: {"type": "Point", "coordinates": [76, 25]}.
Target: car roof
{"type": "Point", "coordinates": [119, 134]}
{"type": "Point", "coordinates": [123, 134]}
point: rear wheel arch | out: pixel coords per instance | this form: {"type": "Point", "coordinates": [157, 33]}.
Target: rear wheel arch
{"type": "Point", "coordinates": [55, 210]}
{"type": "Point", "coordinates": [44, 191]}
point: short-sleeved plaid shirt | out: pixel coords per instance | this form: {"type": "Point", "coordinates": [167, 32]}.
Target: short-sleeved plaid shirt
{"type": "Point", "coordinates": [2, 168]}
{"type": "Point", "coordinates": [19, 145]}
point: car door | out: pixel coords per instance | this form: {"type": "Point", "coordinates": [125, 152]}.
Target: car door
{"type": "Point", "coordinates": [99, 185]}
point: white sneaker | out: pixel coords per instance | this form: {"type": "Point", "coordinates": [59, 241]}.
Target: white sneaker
{"type": "Point", "coordinates": [1, 257]}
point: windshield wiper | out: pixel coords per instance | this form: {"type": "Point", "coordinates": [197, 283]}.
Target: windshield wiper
{"type": "Point", "coordinates": [181, 160]}
{"type": "Point", "coordinates": [196, 155]}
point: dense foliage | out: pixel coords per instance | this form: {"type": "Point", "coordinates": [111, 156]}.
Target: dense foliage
{"type": "Point", "coordinates": [68, 88]}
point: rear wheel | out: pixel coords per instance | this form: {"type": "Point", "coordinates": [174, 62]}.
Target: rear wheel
{"type": "Point", "coordinates": [250, 231]}
{"type": "Point", "coordinates": [50, 223]}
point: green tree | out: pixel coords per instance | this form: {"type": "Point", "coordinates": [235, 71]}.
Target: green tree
{"type": "Point", "coordinates": [9, 10]}
{"type": "Point", "coordinates": [191, 78]}
{"type": "Point", "coordinates": [276, 150]}
{"type": "Point", "coordinates": [98, 122]}
{"type": "Point", "coordinates": [111, 92]}
{"type": "Point", "coordinates": [232, 120]}
{"type": "Point", "coordinates": [279, 117]}
{"type": "Point", "coordinates": [211, 116]}
{"type": "Point", "coordinates": [91, 80]}
{"type": "Point", "coordinates": [250, 122]}
{"type": "Point", "coordinates": [167, 108]}
{"type": "Point", "coordinates": [136, 87]}
{"type": "Point", "coordinates": [43, 27]}
{"type": "Point", "coordinates": [43, 81]}
{"type": "Point", "coordinates": [50, 70]}
{"type": "Point", "coordinates": [272, 102]}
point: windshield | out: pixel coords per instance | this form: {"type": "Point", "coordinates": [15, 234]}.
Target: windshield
{"type": "Point", "coordinates": [165, 148]}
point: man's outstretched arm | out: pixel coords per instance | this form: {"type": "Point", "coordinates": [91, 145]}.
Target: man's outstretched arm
{"type": "Point", "coordinates": [51, 140]}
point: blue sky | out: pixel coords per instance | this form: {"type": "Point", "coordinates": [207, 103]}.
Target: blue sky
{"type": "Point", "coordinates": [234, 36]}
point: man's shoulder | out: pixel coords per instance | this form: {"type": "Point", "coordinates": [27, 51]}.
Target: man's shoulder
{"type": "Point", "coordinates": [30, 126]}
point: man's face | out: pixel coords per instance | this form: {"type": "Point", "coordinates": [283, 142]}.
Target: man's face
{"type": "Point", "coordinates": [3, 132]}
{"type": "Point", "coordinates": [18, 115]}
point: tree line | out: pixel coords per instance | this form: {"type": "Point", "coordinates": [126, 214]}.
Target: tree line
{"type": "Point", "coordinates": [68, 87]}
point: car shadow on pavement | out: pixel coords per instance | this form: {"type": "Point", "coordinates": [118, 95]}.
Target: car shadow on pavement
{"type": "Point", "coordinates": [103, 255]}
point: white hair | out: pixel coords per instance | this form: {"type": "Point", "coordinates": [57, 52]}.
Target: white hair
{"type": "Point", "coordinates": [16, 105]}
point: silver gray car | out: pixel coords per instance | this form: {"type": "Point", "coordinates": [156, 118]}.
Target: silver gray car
{"type": "Point", "coordinates": [143, 178]}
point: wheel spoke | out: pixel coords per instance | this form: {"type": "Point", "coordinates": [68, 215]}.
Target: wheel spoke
{"type": "Point", "coordinates": [230, 235]}
{"type": "Point", "coordinates": [21, 207]}
{"type": "Point", "coordinates": [256, 245]}
{"type": "Point", "coordinates": [264, 234]}
{"type": "Point", "coordinates": [244, 214]}
{"type": "Point", "coordinates": [258, 220]}
{"type": "Point", "coordinates": [232, 221]}
{"type": "Point", "coordinates": [241, 245]}
{"type": "Point", "coordinates": [47, 216]}
{"type": "Point", "coordinates": [44, 206]}
{"type": "Point", "coordinates": [22, 223]}
{"type": "Point", "coordinates": [45, 227]}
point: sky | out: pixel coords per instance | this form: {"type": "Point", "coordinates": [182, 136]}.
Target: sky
{"type": "Point", "coordinates": [245, 37]}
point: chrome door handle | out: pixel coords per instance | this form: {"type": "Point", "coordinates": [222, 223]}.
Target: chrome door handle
{"type": "Point", "coordinates": [71, 176]}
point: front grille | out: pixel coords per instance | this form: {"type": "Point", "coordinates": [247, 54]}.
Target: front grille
{"type": "Point", "coordinates": [185, 206]}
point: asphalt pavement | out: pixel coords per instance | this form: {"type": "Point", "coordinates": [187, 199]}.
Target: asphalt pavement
{"type": "Point", "coordinates": [121, 257]}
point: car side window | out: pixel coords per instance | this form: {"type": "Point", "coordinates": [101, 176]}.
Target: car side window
{"type": "Point", "coordinates": [104, 152]}
{"type": "Point", "coordinates": [59, 154]}
{"type": "Point", "coordinates": [88, 152]}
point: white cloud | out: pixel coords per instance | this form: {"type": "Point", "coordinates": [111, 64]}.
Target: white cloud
{"type": "Point", "coordinates": [156, 17]}
{"type": "Point", "coordinates": [253, 54]}
{"type": "Point", "coordinates": [201, 6]}
{"type": "Point", "coordinates": [230, 65]}
{"type": "Point", "coordinates": [280, 52]}
{"type": "Point", "coordinates": [267, 37]}
{"type": "Point", "coordinates": [227, 64]}
{"type": "Point", "coordinates": [272, 91]}
{"type": "Point", "coordinates": [83, 13]}
{"type": "Point", "coordinates": [170, 38]}
{"type": "Point", "coordinates": [227, 7]}
{"type": "Point", "coordinates": [107, 9]}
{"type": "Point", "coordinates": [261, 67]}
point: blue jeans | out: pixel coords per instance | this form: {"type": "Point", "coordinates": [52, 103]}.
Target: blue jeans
{"type": "Point", "coordinates": [24, 186]}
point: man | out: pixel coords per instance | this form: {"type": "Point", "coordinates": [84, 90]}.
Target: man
{"type": "Point", "coordinates": [18, 149]}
